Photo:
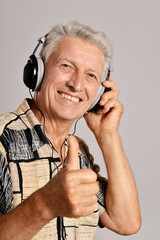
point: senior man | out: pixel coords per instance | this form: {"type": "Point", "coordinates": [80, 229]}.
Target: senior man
{"type": "Point", "coordinates": [50, 186]}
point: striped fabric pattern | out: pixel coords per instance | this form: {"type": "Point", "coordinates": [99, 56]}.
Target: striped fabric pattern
{"type": "Point", "coordinates": [27, 163]}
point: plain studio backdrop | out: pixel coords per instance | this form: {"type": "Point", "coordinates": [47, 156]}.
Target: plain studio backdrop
{"type": "Point", "coordinates": [134, 29]}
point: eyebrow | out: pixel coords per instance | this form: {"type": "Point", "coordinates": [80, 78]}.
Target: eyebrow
{"type": "Point", "coordinates": [75, 64]}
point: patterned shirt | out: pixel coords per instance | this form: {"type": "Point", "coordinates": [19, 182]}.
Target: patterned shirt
{"type": "Point", "coordinates": [28, 162]}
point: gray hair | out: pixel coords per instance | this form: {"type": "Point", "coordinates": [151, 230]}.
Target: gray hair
{"type": "Point", "coordinates": [75, 29]}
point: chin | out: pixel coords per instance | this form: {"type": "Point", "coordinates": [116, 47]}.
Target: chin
{"type": "Point", "coordinates": [68, 115]}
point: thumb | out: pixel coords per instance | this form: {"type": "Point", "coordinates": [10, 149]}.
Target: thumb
{"type": "Point", "coordinates": [72, 161]}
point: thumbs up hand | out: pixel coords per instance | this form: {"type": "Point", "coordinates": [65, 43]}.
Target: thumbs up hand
{"type": "Point", "coordinates": [72, 192]}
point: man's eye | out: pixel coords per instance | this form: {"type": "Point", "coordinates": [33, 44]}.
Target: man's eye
{"type": "Point", "coordinates": [92, 75]}
{"type": "Point", "coordinates": [66, 66]}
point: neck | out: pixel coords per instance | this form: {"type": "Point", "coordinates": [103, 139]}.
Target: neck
{"type": "Point", "coordinates": [55, 129]}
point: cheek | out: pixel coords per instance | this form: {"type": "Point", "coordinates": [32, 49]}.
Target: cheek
{"type": "Point", "coordinates": [92, 92]}
{"type": "Point", "coordinates": [52, 77]}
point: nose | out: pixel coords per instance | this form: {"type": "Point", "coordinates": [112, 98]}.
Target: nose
{"type": "Point", "coordinates": [76, 82]}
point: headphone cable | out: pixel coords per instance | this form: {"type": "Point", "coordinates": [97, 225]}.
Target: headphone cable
{"type": "Point", "coordinates": [75, 125]}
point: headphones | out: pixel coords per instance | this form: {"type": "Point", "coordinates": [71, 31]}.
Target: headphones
{"type": "Point", "coordinates": [34, 72]}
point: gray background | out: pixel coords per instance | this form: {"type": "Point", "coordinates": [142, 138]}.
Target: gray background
{"type": "Point", "coordinates": [134, 29]}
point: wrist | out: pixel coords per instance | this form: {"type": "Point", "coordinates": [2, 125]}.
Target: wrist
{"type": "Point", "coordinates": [110, 142]}
{"type": "Point", "coordinates": [40, 206]}
{"type": "Point", "coordinates": [107, 136]}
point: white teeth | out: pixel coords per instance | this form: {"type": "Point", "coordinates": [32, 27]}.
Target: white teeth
{"type": "Point", "coordinates": [73, 99]}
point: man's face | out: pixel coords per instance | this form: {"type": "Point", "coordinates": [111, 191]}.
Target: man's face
{"type": "Point", "coordinates": [72, 77]}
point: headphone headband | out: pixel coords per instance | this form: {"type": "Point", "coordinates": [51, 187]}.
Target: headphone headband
{"type": "Point", "coordinates": [40, 41]}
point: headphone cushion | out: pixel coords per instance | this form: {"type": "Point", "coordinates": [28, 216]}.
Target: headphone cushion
{"type": "Point", "coordinates": [40, 74]}
{"type": "Point", "coordinates": [100, 92]}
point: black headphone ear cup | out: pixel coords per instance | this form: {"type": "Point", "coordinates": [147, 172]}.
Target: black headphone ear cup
{"type": "Point", "coordinates": [30, 72]}
{"type": "Point", "coordinates": [33, 73]}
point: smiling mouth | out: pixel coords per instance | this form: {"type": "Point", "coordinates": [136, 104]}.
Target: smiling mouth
{"type": "Point", "coordinates": [71, 98]}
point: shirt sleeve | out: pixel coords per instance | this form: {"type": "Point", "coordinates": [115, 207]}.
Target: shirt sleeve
{"type": "Point", "coordinates": [102, 191]}
{"type": "Point", "coordinates": [6, 193]}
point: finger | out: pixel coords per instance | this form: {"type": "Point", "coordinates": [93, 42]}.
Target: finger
{"type": "Point", "coordinates": [86, 211]}
{"type": "Point", "coordinates": [106, 96]}
{"type": "Point", "coordinates": [72, 161]}
{"type": "Point", "coordinates": [83, 176]}
{"type": "Point", "coordinates": [111, 84]}
{"type": "Point", "coordinates": [89, 201]}
{"type": "Point", "coordinates": [87, 204]}
{"type": "Point", "coordinates": [113, 104]}
{"type": "Point", "coordinates": [86, 176]}
{"type": "Point", "coordinates": [88, 189]}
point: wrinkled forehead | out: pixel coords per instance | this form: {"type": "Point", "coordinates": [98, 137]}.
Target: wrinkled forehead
{"type": "Point", "coordinates": [80, 52]}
